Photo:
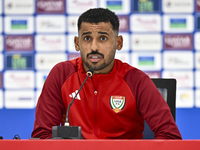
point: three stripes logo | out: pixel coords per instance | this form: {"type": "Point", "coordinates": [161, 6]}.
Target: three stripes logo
{"type": "Point", "coordinates": [72, 95]}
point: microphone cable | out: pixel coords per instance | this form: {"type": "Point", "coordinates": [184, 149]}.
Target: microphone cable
{"type": "Point", "coordinates": [89, 74]}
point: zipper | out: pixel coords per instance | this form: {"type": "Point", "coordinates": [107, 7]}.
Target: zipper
{"type": "Point", "coordinates": [95, 108]}
{"type": "Point", "coordinates": [95, 113]}
{"type": "Point", "coordinates": [95, 92]}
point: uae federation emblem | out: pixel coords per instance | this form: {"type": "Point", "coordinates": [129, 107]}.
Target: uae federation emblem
{"type": "Point", "coordinates": [117, 103]}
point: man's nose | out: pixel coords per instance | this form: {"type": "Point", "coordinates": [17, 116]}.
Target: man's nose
{"type": "Point", "coordinates": [94, 45]}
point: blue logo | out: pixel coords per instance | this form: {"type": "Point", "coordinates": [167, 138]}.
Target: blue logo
{"type": "Point", "coordinates": [114, 5]}
{"type": "Point", "coordinates": [146, 60]}
{"type": "Point", "coordinates": [18, 24]}
{"type": "Point", "coordinates": [178, 23]}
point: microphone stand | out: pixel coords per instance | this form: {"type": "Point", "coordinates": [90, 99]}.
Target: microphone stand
{"type": "Point", "coordinates": [66, 131]}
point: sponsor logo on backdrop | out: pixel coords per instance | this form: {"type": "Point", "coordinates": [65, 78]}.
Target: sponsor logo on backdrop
{"type": "Point", "coordinates": [145, 23]}
{"type": "Point", "coordinates": [197, 5]}
{"type": "Point", "coordinates": [45, 61]}
{"type": "Point", "coordinates": [184, 98]}
{"type": "Point", "coordinates": [124, 23]}
{"type": "Point", "coordinates": [184, 78]}
{"type": "Point", "coordinates": [153, 74]}
{"type": "Point", "coordinates": [152, 42]}
{"type": "Point", "coordinates": [18, 43]}
{"type": "Point", "coordinates": [178, 41]}
{"type": "Point", "coordinates": [72, 56]}
{"type": "Point", "coordinates": [19, 25]}
{"type": "Point", "coordinates": [47, 24]}
{"type": "Point", "coordinates": [72, 24]}
{"type": "Point", "coordinates": [50, 42]}
{"type": "Point", "coordinates": [178, 6]}
{"type": "Point", "coordinates": [178, 60]}
{"type": "Point", "coordinates": [114, 4]}
{"type": "Point", "coordinates": [19, 79]}
{"type": "Point", "coordinates": [197, 60]}
{"type": "Point", "coordinates": [197, 98]}
{"type": "Point", "coordinates": [1, 99]}
{"type": "Point", "coordinates": [146, 5]}
{"type": "Point", "coordinates": [118, 6]}
{"type": "Point", "coordinates": [1, 80]}
{"type": "Point", "coordinates": [197, 79]}
{"type": "Point", "coordinates": [147, 61]}
{"type": "Point", "coordinates": [40, 78]}
{"type": "Point", "coordinates": [19, 99]}
{"type": "Point", "coordinates": [50, 6]}
{"type": "Point", "coordinates": [19, 6]}
{"type": "Point", "coordinates": [19, 61]}
{"type": "Point", "coordinates": [1, 62]}
{"type": "Point", "coordinates": [178, 23]}
{"type": "Point", "coordinates": [80, 6]}
{"type": "Point", "coordinates": [1, 43]}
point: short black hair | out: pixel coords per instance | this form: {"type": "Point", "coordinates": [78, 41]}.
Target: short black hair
{"type": "Point", "coordinates": [96, 15]}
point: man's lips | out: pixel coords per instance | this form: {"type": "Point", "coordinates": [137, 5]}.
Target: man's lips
{"type": "Point", "coordinates": [94, 57]}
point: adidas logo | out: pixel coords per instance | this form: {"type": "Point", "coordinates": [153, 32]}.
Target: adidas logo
{"type": "Point", "coordinates": [72, 95]}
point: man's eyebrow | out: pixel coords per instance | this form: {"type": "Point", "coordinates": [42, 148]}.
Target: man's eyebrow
{"type": "Point", "coordinates": [103, 33]}
{"type": "Point", "coordinates": [86, 33]}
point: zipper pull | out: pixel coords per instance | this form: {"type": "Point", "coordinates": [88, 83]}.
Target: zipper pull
{"type": "Point", "coordinates": [95, 92]}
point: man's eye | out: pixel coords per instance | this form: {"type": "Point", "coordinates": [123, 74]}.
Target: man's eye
{"type": "Point", "coordinates": [103, 38]}
{"type": "Point", "coordinates": [87, 38]}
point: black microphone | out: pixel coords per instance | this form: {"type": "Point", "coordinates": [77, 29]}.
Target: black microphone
{"type": "Point", "coordinates": [66, 131]}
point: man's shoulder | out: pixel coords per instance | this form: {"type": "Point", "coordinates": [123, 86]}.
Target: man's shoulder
{"type": "Point", "coordinates": [121, 64]}
{"type": "Point", "coordinates": [124, 68]}
{"type": "Point", "coordinates": [69, 64]}
{"type": "Point", "coordinates": [64, 70]}
{"type": "Point", "coordinates": [129, 71]}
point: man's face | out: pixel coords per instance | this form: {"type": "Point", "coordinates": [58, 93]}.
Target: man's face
{"type": "Point", "coordinates": [97, 44]}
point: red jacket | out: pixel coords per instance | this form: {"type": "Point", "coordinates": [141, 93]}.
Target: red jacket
{"type": "Point", "coordinates": [112, 105]}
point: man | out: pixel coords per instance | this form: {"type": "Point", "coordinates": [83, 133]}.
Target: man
{"type": "Point", "coordinates": [115, 101]}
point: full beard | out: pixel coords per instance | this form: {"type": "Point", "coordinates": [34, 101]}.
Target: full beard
{"type": "Point", "coordinates": [95, 65]}
{"type": "Point", "coordinates": [101, 66]}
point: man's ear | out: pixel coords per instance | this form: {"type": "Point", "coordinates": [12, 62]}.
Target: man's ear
{"type": "Point", "coordinates": [76, 43]}
{"type": "Point", "coordinates": [119, 42]}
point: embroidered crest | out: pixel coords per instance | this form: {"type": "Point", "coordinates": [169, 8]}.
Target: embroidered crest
{"type": "Point", "coordinates": [117, 103]}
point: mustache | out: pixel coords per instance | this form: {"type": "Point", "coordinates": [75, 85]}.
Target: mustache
{"type": "Point", "coordinates": [95, 52]}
